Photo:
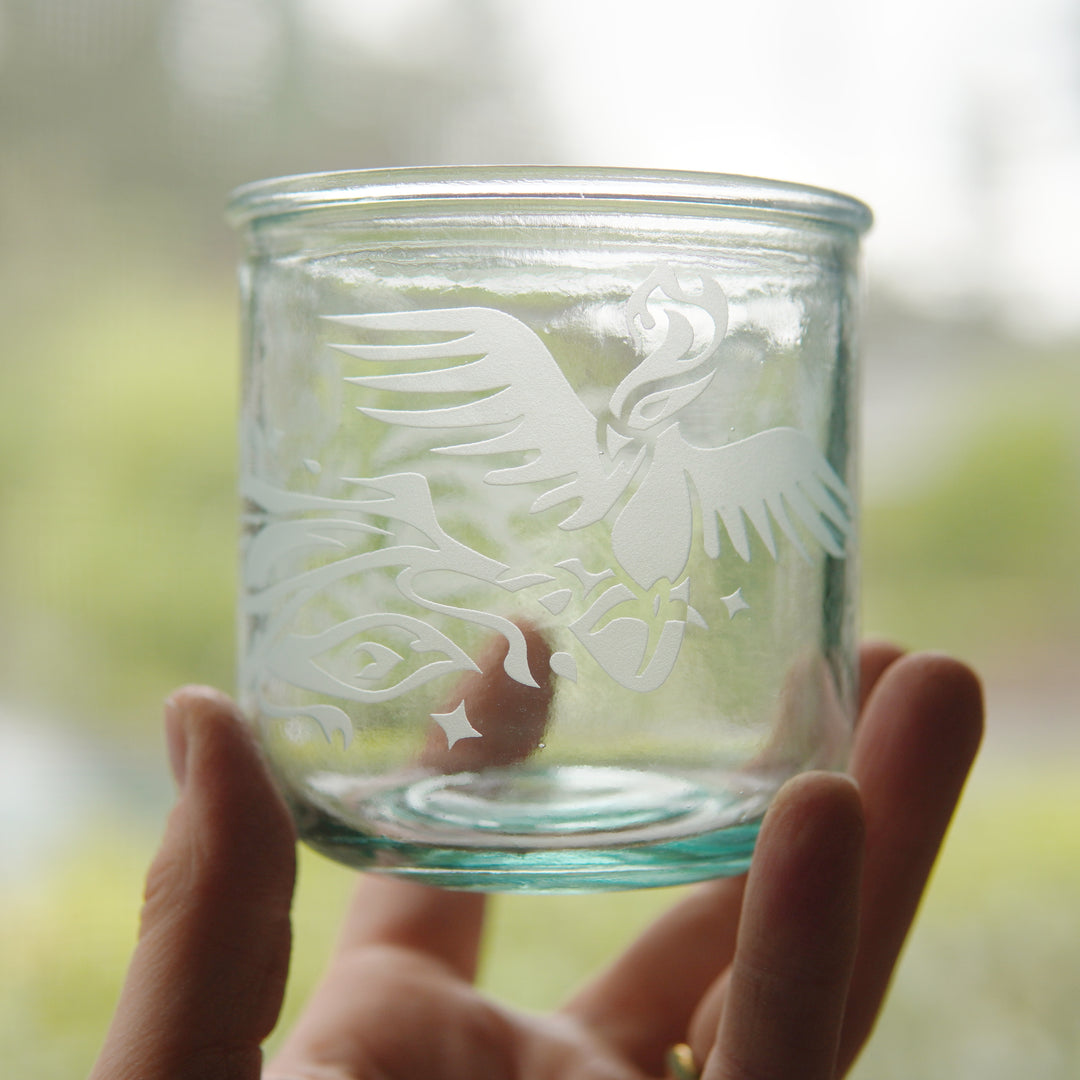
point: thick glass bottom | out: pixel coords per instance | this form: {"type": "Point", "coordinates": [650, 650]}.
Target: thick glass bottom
{"type": "Point", "coordinates": [562, 829]}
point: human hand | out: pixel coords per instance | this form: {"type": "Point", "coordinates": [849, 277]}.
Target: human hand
{"type": "Point", "coordinates": [778, 974]}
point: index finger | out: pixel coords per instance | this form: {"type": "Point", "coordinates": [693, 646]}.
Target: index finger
{"type": "Point", "coordinates": [208, 974]}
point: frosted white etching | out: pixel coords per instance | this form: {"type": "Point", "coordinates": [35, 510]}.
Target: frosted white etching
{"type": "Point", "coordinates": [456, 725]}
{"type": "Point", "coordinates": [735, 603]}
{"type": "Point", "coordinates": [627, 469]}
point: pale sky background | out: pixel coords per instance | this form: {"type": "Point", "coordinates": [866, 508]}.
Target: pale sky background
{"type": "Point", "coordinates": [957, 120]}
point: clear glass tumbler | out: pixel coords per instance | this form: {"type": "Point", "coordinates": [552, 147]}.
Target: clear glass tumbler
{"type": "Point", "coordinates": [548, 514]}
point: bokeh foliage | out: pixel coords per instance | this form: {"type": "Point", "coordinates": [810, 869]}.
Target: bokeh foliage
{"type": "Point", "coordinates": [118, 506]}
{"type": "Point", "coordinates": [980, 558]}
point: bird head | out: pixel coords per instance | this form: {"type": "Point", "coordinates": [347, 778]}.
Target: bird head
{"type": "Point", "coordinates": [679, 330]}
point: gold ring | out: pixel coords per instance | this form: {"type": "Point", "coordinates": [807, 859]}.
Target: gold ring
{"type": "Point", "coordinates": [680, 1063]}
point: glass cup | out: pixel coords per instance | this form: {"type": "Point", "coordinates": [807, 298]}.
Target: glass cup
{"type": "Point", "coordinates": [548, 514]}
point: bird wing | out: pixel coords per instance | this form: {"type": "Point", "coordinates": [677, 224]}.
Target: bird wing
{"type": "Point", "coordinates": [777, 475]}
{"type": "Point", "coordinates": [518, 383]}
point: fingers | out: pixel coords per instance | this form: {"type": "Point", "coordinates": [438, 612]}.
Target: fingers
{"type": "Point", "coordinates": [796, 943]}
{"type": "Point", "coordinates": [390, 1012]}
{"type": "Point", "coordinates": [207, 977]}
{"type": "Point", "coordinates": [875, 658]}
{"type": "Point", "coordinates": [643, 1002]}
{"type": "Point", "coordinates": [509, 716]}
{"type": "Point", "coordinates": [407, 951]}
{"type": "Point", "coordinates": [445, 926]}
{"type": "Point", "coordinates": [915, 745]}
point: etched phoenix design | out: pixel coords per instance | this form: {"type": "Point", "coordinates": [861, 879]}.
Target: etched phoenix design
{"type": "Point", "coordinates": [591, 460]}
{"type": "Point", "coordinates": [630, 467]}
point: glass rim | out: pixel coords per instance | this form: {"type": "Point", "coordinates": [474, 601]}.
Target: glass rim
{"type": "Point", "coordinates": [289, 195]}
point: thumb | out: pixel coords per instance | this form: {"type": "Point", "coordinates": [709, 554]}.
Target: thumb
{"type": "Point", "coordinates": [206, 981]}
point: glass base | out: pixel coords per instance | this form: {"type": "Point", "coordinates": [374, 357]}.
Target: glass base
{"type": "Point", "coordinates": [562, 829]}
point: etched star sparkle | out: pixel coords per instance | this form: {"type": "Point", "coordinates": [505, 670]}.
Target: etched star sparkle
{"type": "Point", "coordinates": [735, 603]}
{"type": "Point", "coordinates": [456, 725]}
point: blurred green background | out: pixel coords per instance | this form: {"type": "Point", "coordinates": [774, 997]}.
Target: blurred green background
{"type": "Point", "coordinates": [125, 124]}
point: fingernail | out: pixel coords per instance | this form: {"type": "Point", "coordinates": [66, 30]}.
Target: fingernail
{"type": "Point", "coordinates": [176, 740]}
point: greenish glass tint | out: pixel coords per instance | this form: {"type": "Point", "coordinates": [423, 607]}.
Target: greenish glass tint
{"type": "Point", "coordinates": [549, 536]}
